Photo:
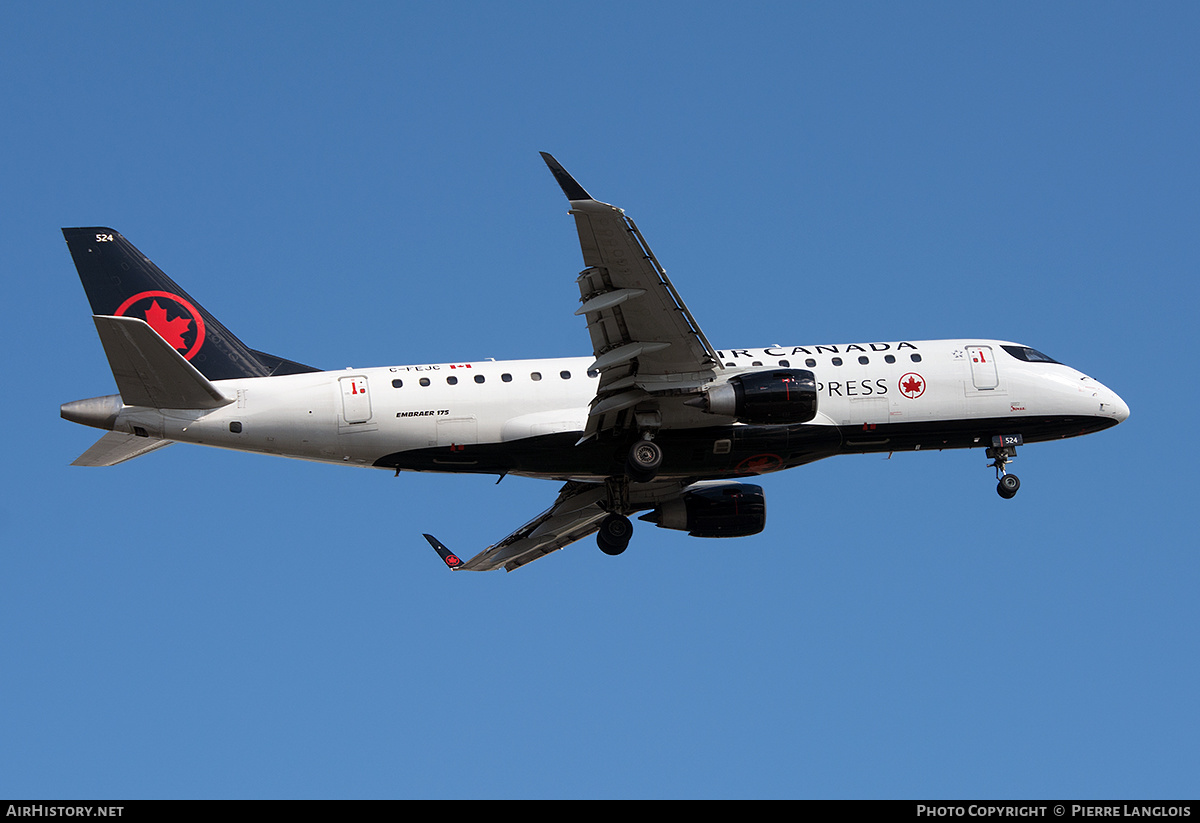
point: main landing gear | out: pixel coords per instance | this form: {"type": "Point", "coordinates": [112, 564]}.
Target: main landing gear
{"type": "Point", "coordinates": [641, 466]}
{"type": "Point", "coordinates": [1004, 449]}
{"type": "Point", "coordinates": [614, 534]}
{"type": "Point", "coordinates": [644, 460]}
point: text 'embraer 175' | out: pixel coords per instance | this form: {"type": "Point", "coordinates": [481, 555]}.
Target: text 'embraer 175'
{"type": "Point", "coordinates": [656, 420]}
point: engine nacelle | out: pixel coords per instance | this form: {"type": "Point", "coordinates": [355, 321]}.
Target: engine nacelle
{"type": "Point", "coordinates": [717, 510]}
{"type": "Point", "coordinates": [774, 396]}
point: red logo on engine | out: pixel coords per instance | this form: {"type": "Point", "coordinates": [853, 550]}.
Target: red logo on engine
{"type": "Point", "coordinates": [176, 320]}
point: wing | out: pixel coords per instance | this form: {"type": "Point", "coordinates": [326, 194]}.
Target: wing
{"type": "Point", "coordinates": [651, 356]}
{"type": "Point", "coordinates": [576, 513]}
{"type": "Point", "coordinates": [647, 345]}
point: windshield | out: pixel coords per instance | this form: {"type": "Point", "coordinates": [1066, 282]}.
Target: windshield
{"type": "Point", "coordinates": [1028, 355]}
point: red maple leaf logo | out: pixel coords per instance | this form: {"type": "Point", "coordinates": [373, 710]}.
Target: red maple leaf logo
{"type": "Point", "coordinates": [913, 386]}
{"type": "Point", "coordinates": [169, 330]}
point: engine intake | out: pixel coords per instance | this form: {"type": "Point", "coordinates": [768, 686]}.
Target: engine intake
{"type": "Point", "coordinates": [775, 396]}
{"type": "Point", "coordinates": [719, 510]}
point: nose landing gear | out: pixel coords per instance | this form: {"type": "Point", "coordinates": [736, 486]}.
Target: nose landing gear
{"type": "Point", "coordinates": [1008, 485]}
{"type": "Point", "coordinates": [1004, 449]}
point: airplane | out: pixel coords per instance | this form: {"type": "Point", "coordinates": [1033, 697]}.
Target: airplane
{"type": "Point", "coordinates": [656, 420]}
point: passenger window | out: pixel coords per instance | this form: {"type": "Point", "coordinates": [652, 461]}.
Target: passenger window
{"type": "Point", "coordinates": [397, 384]}
{"type": "Point", "coordinates": [565, 375]}
{"type": "Point", "coordinates": [479, 378]}
{"type": "Point", "coordinates": [916, 358]}
{"type": "Point", "coordinates": [593, 373]}
{"type": "Point", "coordinates": [506, 377]}
{"type": "Point", "coordinates": [889, 358]}
{"type": "Point", "coordinates": [810, 362]}
{"type": "Point", "coordinates": [452, 380]}
{"type": "Point", "coordinates": [784, 363]}
{"type": "Point", "coordinates": [864, 360]}
{"type": "Point", "coordinates": [837, 361]}
{"type": "Point", "coordinates": [424, 381]}
{"type": "Point", "coordinates": [537, 375]}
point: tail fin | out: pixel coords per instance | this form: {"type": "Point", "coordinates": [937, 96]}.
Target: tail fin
{"type": "Point", "coordinates": [122, 282]}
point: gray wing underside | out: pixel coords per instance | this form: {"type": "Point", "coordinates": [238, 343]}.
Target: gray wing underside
{"type": "Point", "coordinates": [576, 514]}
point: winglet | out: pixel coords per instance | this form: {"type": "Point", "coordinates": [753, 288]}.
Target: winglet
{"type": "Point", "coordinates": [570, 187]}
{"type": "Point", "coordinates": [448, 557]}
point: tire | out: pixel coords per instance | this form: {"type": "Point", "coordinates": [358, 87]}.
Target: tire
{"type": "Point", "coordinates": [645, 458]}
{"type": "Point", "coordinates": [615, 532]}
{"type": "Point", "coordinates": [1008, 486]}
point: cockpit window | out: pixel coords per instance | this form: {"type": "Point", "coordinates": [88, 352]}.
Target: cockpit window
{"type": "Point", "coordinates": [1028, 355]}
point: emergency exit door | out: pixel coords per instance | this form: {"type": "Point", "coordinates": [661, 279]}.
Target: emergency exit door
{"type": "Point", "coordinates": [356, 402]}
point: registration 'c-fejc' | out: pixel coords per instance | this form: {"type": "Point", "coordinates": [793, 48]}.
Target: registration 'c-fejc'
{"type": "Point", "coordinates": [656, 420]}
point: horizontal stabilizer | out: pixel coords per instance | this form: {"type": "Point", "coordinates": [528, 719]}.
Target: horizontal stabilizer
{"type": "Point", "coordinates": [149, 372]}
{"type": "Point", "coordinates": [117, 447]}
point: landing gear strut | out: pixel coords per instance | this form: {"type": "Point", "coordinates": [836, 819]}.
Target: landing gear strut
{"type": "Point", "coordinates": [1004, 449]}
{"type": "Point", "coordinates": [614, 534]}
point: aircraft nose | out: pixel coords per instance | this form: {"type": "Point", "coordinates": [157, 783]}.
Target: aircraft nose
{"type": "Point", "coordinates": [1116, 407]}
{"type": "Point", "coordinates": [1111, 404]}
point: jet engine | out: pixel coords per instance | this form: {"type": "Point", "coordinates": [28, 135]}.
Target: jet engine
{"type": "Point", "coordinates": [770, 397]}
{"type": "Point", "coordinates": [714, 510]}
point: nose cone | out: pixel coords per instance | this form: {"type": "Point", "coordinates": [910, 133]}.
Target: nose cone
{"type": "Point", "coordinates": [1115, 407]}
{"type": "Point", "coordinates": [1111, 405]}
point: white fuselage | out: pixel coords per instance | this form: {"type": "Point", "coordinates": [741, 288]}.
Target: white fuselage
{"type": "Point", "coordinates": [357, 417]}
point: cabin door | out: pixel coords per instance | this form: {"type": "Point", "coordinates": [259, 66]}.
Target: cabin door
{"type": "Point", "coordinates": [983, 368]}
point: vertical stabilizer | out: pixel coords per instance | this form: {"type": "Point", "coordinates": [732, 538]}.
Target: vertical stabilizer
{"type": "Point", "coordinates": [120, 281]}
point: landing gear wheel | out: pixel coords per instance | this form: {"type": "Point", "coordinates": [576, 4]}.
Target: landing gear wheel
{"type": "Point", "coordinates": [1008, 485]}
{"type": "Point", "coordinates": [644, 460]}
{"type": "Point", "coordinates": [614, 534]}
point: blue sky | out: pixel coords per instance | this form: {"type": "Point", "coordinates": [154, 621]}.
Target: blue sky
{"type": "Point", "coordinates": [361, 186]}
